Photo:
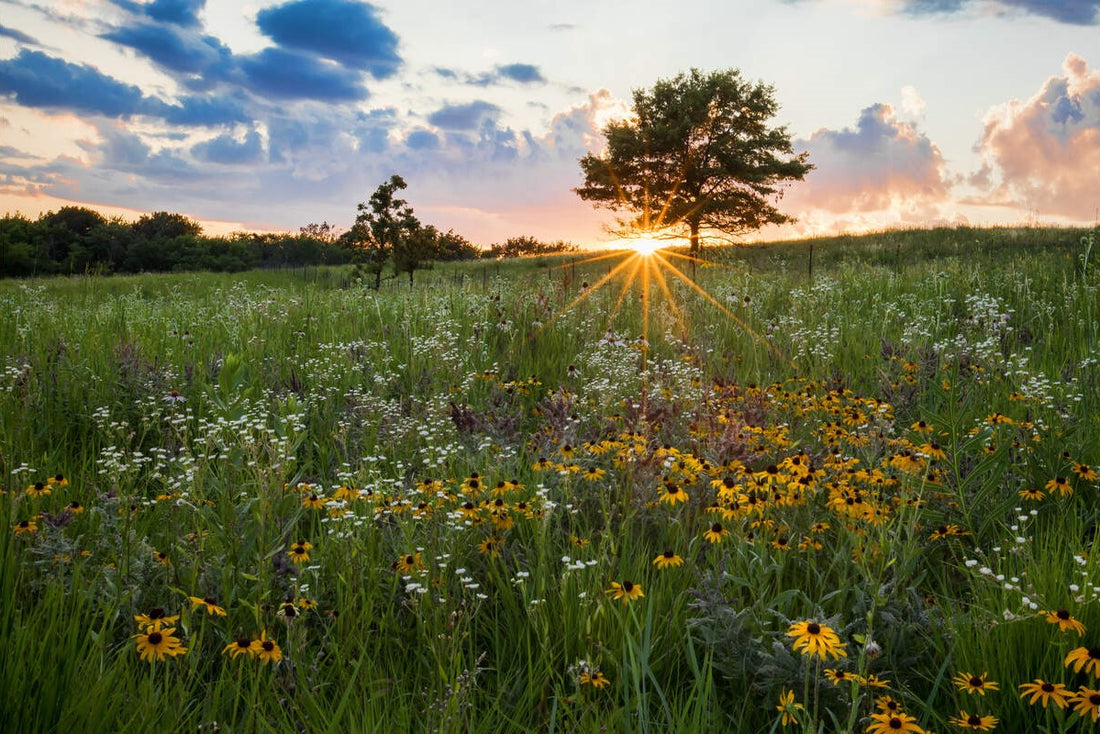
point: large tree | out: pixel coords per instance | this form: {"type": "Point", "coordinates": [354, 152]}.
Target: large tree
{"type": "Point", "coordinates": [699, 154]}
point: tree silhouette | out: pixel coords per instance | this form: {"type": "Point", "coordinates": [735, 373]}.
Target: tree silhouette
{"type": "Point", "coordinates": [699, 154]}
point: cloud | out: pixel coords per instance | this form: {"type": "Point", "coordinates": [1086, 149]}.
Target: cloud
{"type": "Point", "coordinates": [422, 140]}
{"type": "Point", "coordinates": [911, 101]}
{"type": "Point", "coordinates": [880, 164]}
{"type": "Point", "coordinates": [175, 49]}
{"type": "Point", "coordinates": [19, 36]}
{"type": "Point", "coordinates": [228, 150]}
{"type": "Point", "coordinates": [349, 33]}
{"type": "Point", "coordinates": [1074, 12]}
{"type": "Point", "coordinates": [205, 111]}
{"type": "Point", "coordinates": [468, 116]}
{"type": "Point", "coordinates": [522, 73]}
{"type": "Point", "coordinates": [177, 12]}
{"type": "Point", "coordinates": [290, 75]}
{"type": "Point", "coordinates": [38, 80]}
{"type": "Point", "coordinates": [1046, 151]}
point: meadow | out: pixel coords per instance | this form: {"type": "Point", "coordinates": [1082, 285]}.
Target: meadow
{"type": "Point", "coordinates": [842, 488]}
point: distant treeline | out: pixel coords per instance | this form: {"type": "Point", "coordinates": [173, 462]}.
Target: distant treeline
{"type": "Point", "coordinates": [79, 240]}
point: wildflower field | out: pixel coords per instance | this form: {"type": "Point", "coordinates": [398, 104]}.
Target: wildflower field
{"type": "Point", "coordinates": [846, 489]}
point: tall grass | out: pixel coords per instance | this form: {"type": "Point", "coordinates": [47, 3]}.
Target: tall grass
{"type": "Point", "coordinates": [218, 420]}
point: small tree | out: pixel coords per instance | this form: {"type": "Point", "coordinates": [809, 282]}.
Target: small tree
{"type": "Point", "coordinates": [414, 249]}
{"type": "Point", "coordinates": [382, 223]}
{"type": "Point", "coordinates": [699, 154]}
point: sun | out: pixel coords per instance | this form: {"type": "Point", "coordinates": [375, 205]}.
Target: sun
{"type": "Point", "coordinates": [643, 245]}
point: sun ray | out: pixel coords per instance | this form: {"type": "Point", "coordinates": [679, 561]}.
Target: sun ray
{"type": "Point", "coordinates": [744, 327]}
{"type": "Point", "coordinates": [590, 290]}
{"type": "Point", "coordinates": [638, 261]}
{"type": "Point", "coordinates": [677, 313]}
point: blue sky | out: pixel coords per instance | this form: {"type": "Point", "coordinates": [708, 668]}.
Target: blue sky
{"type": "Point", "coordinates": [267, 114]}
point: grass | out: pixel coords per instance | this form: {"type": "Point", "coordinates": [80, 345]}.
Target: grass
{"type": "Point", "coordinates": [474, 460]}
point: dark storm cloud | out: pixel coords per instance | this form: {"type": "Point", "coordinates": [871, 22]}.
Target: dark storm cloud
{"type": "Point", "coordinates": [16, 35]}
{"type": "Point", "coordinates": [289, 75]}
{"type": "Point", "coordinates": [347, 32]}
{"type": "Point", "coordinates": [463, 116]}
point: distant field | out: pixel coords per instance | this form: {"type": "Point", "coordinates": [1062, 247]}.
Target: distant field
{"type": "Point", "coordinates": [843, 485]}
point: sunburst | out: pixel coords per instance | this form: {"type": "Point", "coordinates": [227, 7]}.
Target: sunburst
{"type": "Point", "coordinates": [652, 244]}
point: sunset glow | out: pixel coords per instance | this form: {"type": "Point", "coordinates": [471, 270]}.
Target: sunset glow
{"type": "Point", "coordinates": [266, 115]}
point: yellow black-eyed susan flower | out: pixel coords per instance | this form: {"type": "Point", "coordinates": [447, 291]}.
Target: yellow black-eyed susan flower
{"type": "Point", "coordinates": [239, 646]}
{"type": "Point", "coordinates": [491, 546]}
{"type": "Point", "coordinates": [594, 474]}
{"type": "Point", "coordinates": [668, 559]}
{"type": "Point", "coordinates": [1064, 620]}
{"type": "Point", "coordinates": [25, 527]}
{"type": "Point", "coordinates": [299, 552]}
{"type": "Point", "coordinates": [1059, 485]}
{"type": "Point", "coordinates": [888, 705]}
{"type": "Point", "coordinates": [1033, 494]}
{"type": "Point", "coordinates": [314, 501]}
{"type": "Point", "coordinates": [947, 531]}
{"type": "Point", "coordinates": [715, 533]}
{"type": "Point", "coordinates": [1041, 691]}
{"type": "Point", "coordinates": [208, 604]}
{"type": "Point", "coordinates": [975, 683]}
{"type": "Point", "coordinates": [596, 680]}
{"type": "Point", "coordinates": [38, 489]}
{"type": "Point", "coordinates": [1086, 702]}
{"type": "Point", "coordinates": [59, 480]}
{"type": "Point", "coordinates": [788, 708]}
{"type": "Point", "coordinates": [973, 721]}
{"type": "Point", "coordinates": [893, 723]}
{"type": "Point", "coordinates": [267, 649]}
{"type": "Point", "coordinates": [155, 644]}
{"type": "Point", "coordinates": [155, 619]}
{"type": "Point", "coordinates": [873, 681]}
{"type": "Point", "coordinates": [1085, 658]}
{"type": "Point", "coordinates": [409, 563]}
{"type": "Point", "coordinates": [811, 638]}
{"type": "Point", "coordinates": [837, 677]}
{"type": "Point", "coordinates": [1085, 472]}
{"type": "Point", "coordinates": [672, 494]}
{"type": "Point", "coordinates": [626, 591]}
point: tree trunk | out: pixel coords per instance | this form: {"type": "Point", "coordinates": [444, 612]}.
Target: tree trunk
{"type": "Point", "coordinates": [694, 249]}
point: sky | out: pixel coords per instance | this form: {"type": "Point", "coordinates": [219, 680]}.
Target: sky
{"type": "Point", "coordinates": [272, 114]}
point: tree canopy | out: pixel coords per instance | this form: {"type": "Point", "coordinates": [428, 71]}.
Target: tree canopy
{"type": "Point", "coordinates": [699, 154]}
